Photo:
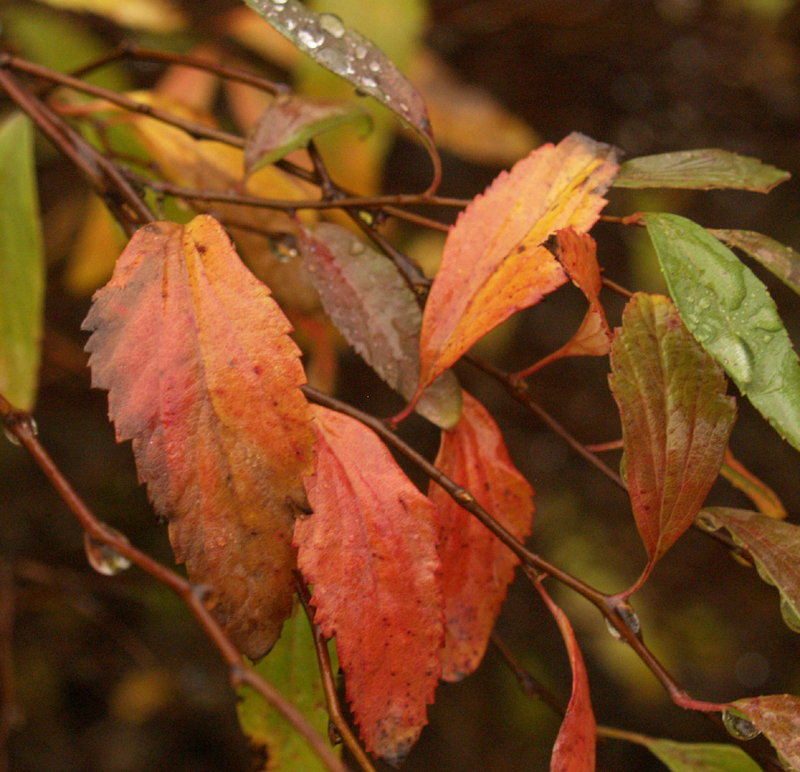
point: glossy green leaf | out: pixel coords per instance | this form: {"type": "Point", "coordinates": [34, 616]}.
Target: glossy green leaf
{"type": "Point", "coordinates": [699, 170]}
{"type": "Point", "coordinates": [733, 316]}
{"type": "Point", "coordinates": [778, 717]}
{"type": "Point", "coordinates": [347, 53]}
{"type": "Point", "coordinates": [291, 122]}
{"type": "Point", "coordinates": [291, 667]}
{"type": "Point", "coordinates": [21, 265]}
{"type": "Point", "coordinates": [783, 261]}
{"type": "Point", "coordinates": [676, 419]}
{"type": "Point", "coordinates": [700, 757]}
{"type": "Point", "coordinates": [371, 305]}
{"type": "Point", "coordinates": [775, 545]}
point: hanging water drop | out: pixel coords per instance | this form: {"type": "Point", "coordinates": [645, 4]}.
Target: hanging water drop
{"type": "Point", "coordinates": [332, 24]}
{"type": "Point", "coordinates": [23, 419]}
{"type": "Point", "coordinates": [790, 614]}
{"type": "Point", "coordinates": [102, 558]}
{"type": "Point", "coordinates": [738, 725]}
{"type": "Point", "coordinates": [629, 617]}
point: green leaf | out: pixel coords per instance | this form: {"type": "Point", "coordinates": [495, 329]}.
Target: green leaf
{"type": "Point", "coordinates": [676, 420]}
{"type": "Point", "coordinates": [21, 265]}
{"type": "Point", "coordinates": [291, 667]}
{"type": "Point", "coordinates": [783, 261]}
{"type": "Point", "coordinates": [733, 316]}
{"type": "Point", "coordinates": [699, 170]}
{"type": "Point", "coordinates": [291, 122]}
{"type": "Point", "coordinates": [775, 545]}
{"type": "Point", "coordinates": [778, 717]}
{"type": "Point", "coordinates": [330, 43]}
{"type": "Point", "coordinates": [371, 305]}
{"type": "Point", "coordinates": [700, 757]}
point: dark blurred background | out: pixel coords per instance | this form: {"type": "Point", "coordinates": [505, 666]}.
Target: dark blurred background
{"type": "Point", "coordinates": [113, 674]}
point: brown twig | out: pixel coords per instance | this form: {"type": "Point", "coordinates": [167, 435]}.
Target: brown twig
{"type": "Point", "coordinates": [329, 681]}
{"type": "Point", "coordinates": [21, 426]}
{"type": "Point", "coordinates": [10, 712]}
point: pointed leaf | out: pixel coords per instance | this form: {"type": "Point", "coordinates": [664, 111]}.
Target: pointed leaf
{"type": "Point", "coordinates": [783, 261]}
{"type": "Point", "coordinates": [372, 306]}
{"type": "Point", "coordinates": [676, 419]}
{"type": "Point", "coordinates": [778, 717]}
{"type": "Point", "coordinates": [733, 316]}
{"type": "Point", "coordinates": [775, 545]}
{"type": "Point", "coordinates": [204, 378]}
{"type": "Point", "coordinates": [476, 567]}
{"type": "Point", "coordinates": [494, 261]}
{"type": "Point", "coordinates": [21, 265]}
{"type": "Point", "coordinates": [699, 170]}
{"type": "Point", "coordinates": [764, 498]}
{"type": "Point", "coordinates": [369, 549]}
{"type": "Point", "coordinates": [700, 757]}
{"type": "Point", "coordinates": [348, 54]}
{"type": "Point", "coordinates": [291, 122]}
{"type": "Point", "coordinates": [574, 750]}
{"type": "Point", "coordinates": [292, 669]}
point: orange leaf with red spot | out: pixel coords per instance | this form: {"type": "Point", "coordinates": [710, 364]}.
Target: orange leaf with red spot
{"type": "Point", "coordinates": [476, 567]}
{"type": "Point", "coordinates": [369, 549]}
{"type": "Point", "coordinates": [494, 261]}
{"type": "Point", "coordinates": [204, 378]}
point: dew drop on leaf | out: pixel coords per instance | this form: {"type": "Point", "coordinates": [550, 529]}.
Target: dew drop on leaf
{"type": "Point", "coordinates": [102, 558]}
{"type": "Point", "coordinates": [361, 52]}
{"type": "Point", "coordinates": [790, 615]}
{"type": "Point", "coordinates": [332, 24]}
{"type": "Point", "coordinates": [311, 38]}
{"type": "Point", "coordinates": [629, 617]}
{"type": "Point", "coordinates": [739, 360]}
{"type": "Point", "coordinates": [739, 726]}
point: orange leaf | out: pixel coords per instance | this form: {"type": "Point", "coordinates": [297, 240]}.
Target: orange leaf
{"type": "Point", "coordinates": [574, 750]}
{"type": "Point", "coordinates": [203, 377]}
{"type": "Point", "coordinates": [476, 567]}
{"type": "Point", "coordinates": [494, 263]}
{"type": "Point", "coordinates": [369, 549]}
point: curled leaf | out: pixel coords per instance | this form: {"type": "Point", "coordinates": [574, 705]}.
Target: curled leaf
{"type": "Point", "coordinates": [700, 170]}
{"type": "Point", "coordinates": [372, 306]}
{"type": "Point", "coordinates": [733, 316]}
{"type": "Point", "coordinates": [783, 261]}
{"type": "Point", "coordinates": [290, 122]}
{"type": "Point", "coordinates": [676, 420]}
{"type": "Point", "coordinates": [203, 377]}
{"type": "Point", "coordinates": [775, 545]}
{"type": "Point", "coordinates": [494, 261]}
{"type": "Point", "coordinates": [369, 549]}
{"type": "Point", "coordinates": [345, 52]}
{"type": "Point", "coordinates": [764, 498]}
{"type": "Point", "coordinates": [476, 567]}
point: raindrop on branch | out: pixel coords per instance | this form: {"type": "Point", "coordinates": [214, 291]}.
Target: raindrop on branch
{"type": "Point", "coordinates": [739, 726]}
{"type": "Point", "coordinates": [102, 558]}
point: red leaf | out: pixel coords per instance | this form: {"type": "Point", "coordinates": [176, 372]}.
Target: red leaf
{"type": "Point", "coordinates": [574, 750]}
{"type": "Point", "coordinates": [369, 549]}
{"type": "Point", "coordinates": [676, 420]}
{"type": "Point", "coordinates": [778, 717]}
{"type": "Point", "coordinates": [494, 263]}
{"type": "Point", "coordinates": [203, 377]}
{"type": "Point", "coordinates": [476, 567]}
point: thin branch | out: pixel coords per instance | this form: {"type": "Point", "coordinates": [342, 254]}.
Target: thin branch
{"type": "Point", "coordinates": [329, 681]}
{"type": "Point", "coordinates": [21, 426]}
{"type": "Point", "coordinates": [10, 711]}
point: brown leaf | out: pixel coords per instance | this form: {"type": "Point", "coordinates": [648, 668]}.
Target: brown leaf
{"type": "Point", "coordinates": [476, 567]}
{"type": "Point", "coordinates": [676, 420]}
{"type": "Point", "coordinates": [203, 377]}
{"type": "Point", "coordinates": [778, 717]}
{"type": "Point", "coordinates": [574, 750]}
{"type": "Point", "coordinates": [369, 549]}
{"type": "Point", "coordinates": [494, 261]}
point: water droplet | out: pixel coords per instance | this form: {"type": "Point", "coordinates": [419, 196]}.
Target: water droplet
{"type": "Point", "coordinates": [629, 617]}
{"type": "Point", "coordinates": [291, 25]}
{"type": "Point", "coordinates": [361, 52]}
{"type": "Point", "coordinates": [703, 331]}
{"type": "Point", "coordinates": [369, 83]}
{"type": "Point", "coordinates": [704, 303]}
{"type": "Point", "coordinates": [12, 438]}
{"type": "Point", "coordinates": [280, 2]}
{"type": "Point", "coordinates": [102, 558]}
{"type": "Point", "coordinates": [332, 24]}
{"type": "Point", "coordinates": [374, 66]}
{"type": "Point", "coordinates": [738, 725]}
{"type": "Point", "coordinates": [311, 38]}
{"type": "Point", "coordinates": [707, 522]}
{"type": "Point", "coordinates": [333, 60]}
{"type": "Point", "coordinates": [790, 614]}
{"type": "Point", "coordinates": [22, 419]}
{"type": "Point", "coordinates": [739, 360]}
